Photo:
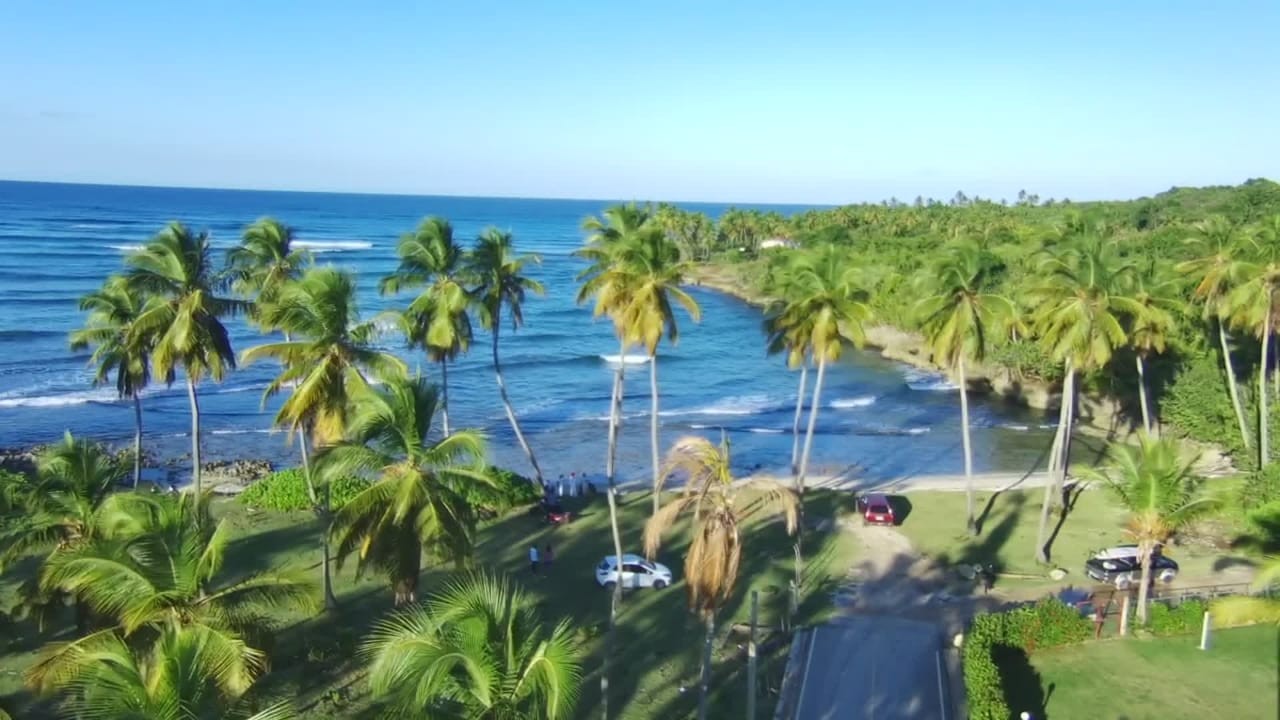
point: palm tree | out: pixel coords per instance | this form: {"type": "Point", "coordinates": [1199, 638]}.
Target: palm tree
{"type": "Point", "coordinates": [609, 288]}
{"type": "Point", "coordinates": [266, 259]}
{"type": "Point", "coordinates": [189, 673]}
{"type": "Point", "coordinates": [183, 326]}
{"type": "Point", "coordinates": [418, 501]}
{"type": "Point", "coordinates": [436, 320]}
{"type": "Point", "coordinates": [711, 567]}
{"type": "Point", "coordinates": [1217, 270]}
{"type": "Point", "coordinates": [496, 269]}
{"type": "Point", "coordinates": [478, 650]}
{"type": "Point", "coordinates": [826, 310]}
{"type": "Point", "coordinates": [649, 266]}
{"type": "Point", "coordinates": [157, 561]}
{"type": "Point", "coordinates": [1158, 489]}
{"type": "Point", "coordinates": [325, 367]}
{"type": "Point", "coordinates": [957, 317]}
{"type": "Point", "coordinates": [792, 341]}
{"type": "Point", "coordinates": [1264, 540]}
{"type": "Point", "coordinates": [1158, 302]}
{"type": "Point", "coordinates": [113, 310]}
{"type": "Point", "coordinates": [1254, 305]}
{"type": "Point", "coordinates": [1079, 305]}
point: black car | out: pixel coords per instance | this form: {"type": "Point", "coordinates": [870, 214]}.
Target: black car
{"type": "Point", "coordinates": [1122, 567]}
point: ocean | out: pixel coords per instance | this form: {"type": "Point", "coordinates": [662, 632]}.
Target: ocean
{"type": "Point", "coordinates": [59, 241]}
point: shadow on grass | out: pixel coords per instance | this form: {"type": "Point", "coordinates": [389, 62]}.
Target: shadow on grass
{"type": "Point", "coordinates": [1020, 682]}
{"type": "Point", "coordinates": [1070, 495]}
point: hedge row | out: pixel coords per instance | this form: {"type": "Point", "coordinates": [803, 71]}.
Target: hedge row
{"type": "Point", "coordinates": [1048, 623]}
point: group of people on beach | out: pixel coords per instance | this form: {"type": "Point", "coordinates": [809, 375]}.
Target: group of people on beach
{"type": "Point", "coordinates": [575, 485]}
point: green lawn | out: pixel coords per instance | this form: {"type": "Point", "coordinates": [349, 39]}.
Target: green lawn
{"type": "Point", "coordinates": [658, 640]}
{"type": "Point", "coordinates": [1166, 678]}
{"type": "Point", "coordinates": [1009, 522]}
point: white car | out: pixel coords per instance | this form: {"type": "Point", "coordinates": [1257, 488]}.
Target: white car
{"type": "Point", "coordinates": [637, 572]}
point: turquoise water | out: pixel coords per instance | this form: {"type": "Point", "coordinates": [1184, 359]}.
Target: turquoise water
{"type": "Point", "coordinates": [58, 242]}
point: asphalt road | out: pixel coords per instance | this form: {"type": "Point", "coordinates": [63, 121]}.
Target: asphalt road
{"type": "Point", "coordinates": [872, 667]}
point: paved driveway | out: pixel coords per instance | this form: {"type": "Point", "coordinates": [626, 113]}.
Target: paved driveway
{"type": "Point", "coordinates": [866, 667]}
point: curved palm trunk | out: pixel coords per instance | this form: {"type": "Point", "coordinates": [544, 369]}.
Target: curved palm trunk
{"type": "Point", "coordinates": [615, 600]}
{"type": "Point", "coordinates": [1264, 442]}
{"type": "Point", "coordinates": [506, 405]}
{"type": "Point", "coordinates": [1057, 461]}
{"type": "Point", "coordinates": [795, 424]}
{"type": "Point", "coordinates": [653, 428]}
{"type": "Point", "coordinates": [444, 395]}
{"type": "Point", "coordinates": [137, 440]}
{"type": "Point", "coordinates": [1231, 385]}
{"type": "Point", "coordinates": [1142, 394]}
{"type": "Point", "coordinates": [320, 502]}
{"type": "Point", "coordinates": [195, 435]}
{"type": "Point", "coordinates": [970, 523]}
{"type": "Point", "coordinates": [798, 546]}
{"type": "Point", "coordinates": [705, 680]}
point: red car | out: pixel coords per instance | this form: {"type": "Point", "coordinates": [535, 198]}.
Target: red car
{"type": "Point", "coordinates": [556, 514]}
{"type": "Point", "coordinates": [875, 509]}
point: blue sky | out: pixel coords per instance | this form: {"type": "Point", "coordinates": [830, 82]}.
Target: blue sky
{"type": "Point", "coordinates": [733, 101]}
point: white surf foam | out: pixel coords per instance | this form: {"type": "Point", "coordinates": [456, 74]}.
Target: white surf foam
{"type": "Point", "coordinates": [766, 431]}
{"type": "Point", "coordinates": [1015, 426]}
{"type": "Point", "coordinates": [737, 405]}
{"type": "Point", "coordinates": [917, 430]}
{"type": "Point", "coordinates": [103, 395]}
{"type": "Point", "coordinates": [324, 246]}
{"type": "Point", "coordinates": [854, 402]}
{"type": "Point", "coordinates": [126, 248]}
{"type": "Point", "coordinates": [625, 359]}
{"type": "Point", "coordinates": [95, 226]}
{"type": "Point", "coordinates": [241, 432]}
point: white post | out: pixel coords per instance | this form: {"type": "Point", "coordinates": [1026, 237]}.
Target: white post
{"type": "Point", "coordinates": [1205, 629]}
{"type": "Point", "coordinates": [1124, 615]}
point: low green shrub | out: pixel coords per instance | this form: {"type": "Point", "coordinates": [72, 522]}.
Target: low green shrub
{"type": "Point", "coordinates": [286, 490]}
{"type": "Point", "coordinates": [1181, 620]}
{"type": "Point", "coordinates": [1048, 623]}
{"type": "Point", "coordinates": [1261, 487]}
{"type": "Point", "coordinates": [510, 490]}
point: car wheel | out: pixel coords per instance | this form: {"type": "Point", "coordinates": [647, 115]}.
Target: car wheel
{"type": "Point", "coordinates": [659, 584]}
{"type": "Point", "coordinates": [1167, 576]}
{"type": "Point", "coordinates": [1123, 582]}
{"type": "Point", "coordinates": [610, 585]}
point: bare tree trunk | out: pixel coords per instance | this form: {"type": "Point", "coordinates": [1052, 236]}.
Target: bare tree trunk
{"type": "Point", "coordinates": [326, 518]}
{"type": "Point", "coordinates": [795, 424]}
{"type": "Point", "coordinates": [653, 428]}
{"type": "Point", "coordinates": [322, 513]}
{"type": "Point", "coordinates": [306, 468]}
{"type": "Point", "coordinates": [195, 436]}
{"type": "Point", "coordinates": [971, 522]}
{"type": "Point", "coordinates": [1057, 461]}
{"type": "Point", "coordinates": [444, 395]}
{"type": "Point", "coordinates": [704, 683]}
{"type": "Point", "coordinates": [813, 422]}
{"type": "Point", "coordinates": [1142, 394]}
{"type": "Point", "coordinates": [1264, 442]}
{"type": "Point", "coordinates": [1144, 590]}
{"type": "Point", "coordinates": [1231, 386]}
{"type": "Point", "coordinates": [615, 599]}
{"type": "Point", "coordinates": [506, 405]}
{"type": "Point", "coordinates": [137, 440]}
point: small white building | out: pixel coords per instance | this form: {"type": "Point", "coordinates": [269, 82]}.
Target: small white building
{"type": "Point", "coordinates": [777, 242]}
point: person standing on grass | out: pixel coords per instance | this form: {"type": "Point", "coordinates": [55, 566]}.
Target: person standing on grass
{"type": "Point", "coordinates": [548, 556]}
{"type": "Point", "coordinates": [533, 558]}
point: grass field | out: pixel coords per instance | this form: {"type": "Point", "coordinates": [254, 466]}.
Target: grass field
{"type": "Point", "coordinates": [1166, 678]}
{"type": "Point", "coordinates": [1009, 522]}
{"type": "Point", "coordinates": [658, 640]}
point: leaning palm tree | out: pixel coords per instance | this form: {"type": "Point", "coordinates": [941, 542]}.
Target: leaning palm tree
{"type": "Point", "coordinates": [827, 309]}
{"type": "Point", "coordinates": [957, 316]}
{"type": "Point", "coordinates": [437, 320]}
{"type": "Point", "coordinates": [189, 673]}
{"type": "Point", "coordinates": [1216, 272]}
{"type": "Point", "coordinates": [117, 350]}
{"type": "Point", "coordinates": [1254, 305]}
{"type": "Point", "coordinates": [266, 259]}
{"type": "Point", "coordinates": [1159, 491]}
{"type": "Point", "coordinates": [158, 560]}
{"type": "Point", "coordinates": [183, 327]}
{"type": "Point", "coordinates": [650, 267]}
{"type": "Point", "coordinates": [610, 290]}
{"type": "Point", "coordinates": [478, 650]}
{"type": "Point", "coordinates": [716, 502]}
{"type": "Point", "coordinates": [498, 273]}
{"type": "Point", "coordinates": [324, 367]}
{"type": "Point", "coordinates": [791, 340]}
{"type": "Point", "coordinates": [1157, 304]}
{"type": "Point", "coordinates": [1080, 305]}
{"type": "Point", "coordinates": [419, 499]}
